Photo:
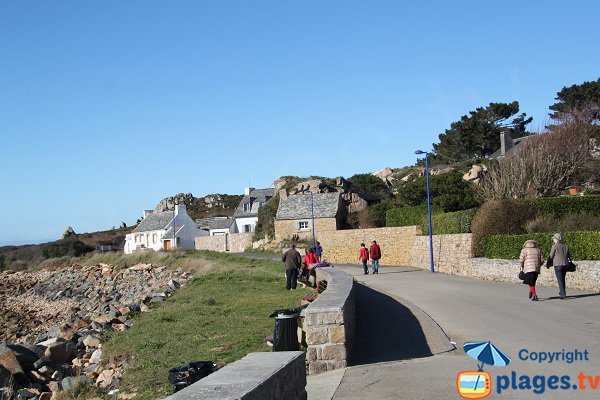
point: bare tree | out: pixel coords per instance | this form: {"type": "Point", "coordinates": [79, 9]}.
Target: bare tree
{"type": "Point", "coordinates": [541, 165]}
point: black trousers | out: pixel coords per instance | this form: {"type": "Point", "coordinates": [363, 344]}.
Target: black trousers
{"type": "Point", "coordinates": [291, 278]}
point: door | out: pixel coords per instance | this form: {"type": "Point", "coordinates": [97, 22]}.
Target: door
{"type": "Point", "coordinates": [167, 245]}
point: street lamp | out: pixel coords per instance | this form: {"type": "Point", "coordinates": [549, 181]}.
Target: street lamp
{"type": "Point", "coordinates": [428, 206]}
{"type": "Point", "coordinates": [312, 205]}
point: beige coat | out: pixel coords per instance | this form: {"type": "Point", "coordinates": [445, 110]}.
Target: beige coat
{"type": "Point", "coordinates": [531, 257]}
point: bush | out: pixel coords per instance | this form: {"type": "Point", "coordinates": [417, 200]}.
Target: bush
{"type": "Point", "coordinates": [266, 219]}
{"type": "Point", "coordinates": [369, 187]}
{"type": "Point", "coordinates": [568, 223]}
{"type": "Point", "coordinates": [449, 223]}
{"type": "Point", "coordinates": [407, 216]}
{"type": "Point", "coordinates": [582, 245]}
{"type": "Point", "coordinates": [560, 206]}
{"type": "Point", "coordinates": [66, 247]}
{"type": "Point", "coordinates": [500, 217]}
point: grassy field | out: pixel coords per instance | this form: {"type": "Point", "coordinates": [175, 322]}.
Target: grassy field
{"type": "Point", "coordinates": [220, 315]}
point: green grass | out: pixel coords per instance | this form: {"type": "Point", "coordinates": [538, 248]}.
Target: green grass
{"type": "Point", "coordinates": [220, 315]}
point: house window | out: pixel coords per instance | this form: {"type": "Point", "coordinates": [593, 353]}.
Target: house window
{"type": "Point", "coordinates": [247, 207]}
{"type": "Point", "coordinates": [303, 225]}
{"type": "Point", "coordinates": [154, 238]}
{"type": "Point", "coordinates": [247, 228]}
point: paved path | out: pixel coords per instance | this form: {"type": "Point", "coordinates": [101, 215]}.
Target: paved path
{"type": "Point", "coordinates": [467, 310]}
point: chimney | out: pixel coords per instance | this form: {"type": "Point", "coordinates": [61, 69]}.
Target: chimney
{"type": "Point", "coordinates": [147, 212]}
{"type": "Point", "coordinates": [506, 143]}
{"type": "Point", "coordinates": [248, 190]}
{"type": "Point", "coordinates": [179, 209]}
{"type": "Point", "coordinates": [283, 194]}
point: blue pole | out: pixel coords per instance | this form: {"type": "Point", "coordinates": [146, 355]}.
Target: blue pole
{"type": "Point", "coordinates": [312, 204]}
{"type": "Point", "coordinates": [429, 211]}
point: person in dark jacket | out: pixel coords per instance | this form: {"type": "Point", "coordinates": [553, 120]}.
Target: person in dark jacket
{"type": "Point", "coordinates": [375, 253]}
{"type": "Point", "coordinates": [292, 260]}
{"type": "Point", "coordinates": [559, 253]}
{"type": "Point", "coordinates": [319, 251]}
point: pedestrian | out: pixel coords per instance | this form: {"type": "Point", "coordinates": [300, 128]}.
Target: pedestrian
{"type": "Point", "coordinates": [363, 256]}
{"type": "Point", "coordinates": [375, 254]}
{"type": "Point", "coordinates": [318, 251]}
{"type": "Point", "coordinates": [292, 261]}
{"type": "Point", "coordinates": [531, 260]}
{"type": "Point", "coordinates": [309, 261]}
{"type": "Point", "coordinates": [559, 258]}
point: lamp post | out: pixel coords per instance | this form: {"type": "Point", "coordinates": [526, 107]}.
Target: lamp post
{"type": "Point", "coordinates": [312, 206]}
{"type": "Point", "coordinates": [428, 206]}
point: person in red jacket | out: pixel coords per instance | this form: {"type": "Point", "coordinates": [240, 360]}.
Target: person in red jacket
{"type": "Point", "coordinates": [363, 256]}
{"type": "Point", "coordinates": [309, 258]}
{"type": "Point", "coordinates": [375, 253]}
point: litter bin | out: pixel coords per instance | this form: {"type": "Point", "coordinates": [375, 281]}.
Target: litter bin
{"type": "Point", "coordinates": [285, 335]}
{"type": "Point", "coordinates": [187, 374]}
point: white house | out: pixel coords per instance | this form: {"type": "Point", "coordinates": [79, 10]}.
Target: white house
{"type": "Point", "coordinates": [246, 213]}
{"type": "Point", "coordinates": [156, 231]}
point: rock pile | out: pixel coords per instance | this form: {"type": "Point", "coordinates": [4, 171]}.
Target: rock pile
{"type": "Point", "coordinates": [51, 323]}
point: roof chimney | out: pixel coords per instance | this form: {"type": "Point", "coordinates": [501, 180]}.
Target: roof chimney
{"type": "Point", "coordinates": [506, 143]}
{"type": "Point", "coordinates": [147, 212]}
{"type": "Point", "coordinates": [248, 190]}
{"type": "Point", "coordinates": [179, 209]}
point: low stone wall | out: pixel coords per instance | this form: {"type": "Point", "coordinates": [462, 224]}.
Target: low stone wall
{"type": "Point", "coordinates": [396, 244]}
{"type": "Point", "coordinates": [330, 323]}
{"type": "Point", "coordinates": [258, 376]}
{"type": "Point", "coordinates": [587, 276]}
{"type": "Point", "coordinates": [232, 242]}
{"type": "Point", "coordinates": [451, 253]}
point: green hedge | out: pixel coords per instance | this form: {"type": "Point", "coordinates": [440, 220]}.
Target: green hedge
{"type": "Point", "coordinates": [407, 216]}
{"type": "Point", "coordinates": [559, 206]}
{"type": "Point", "coordinates": [582, 245]}
{"type": "Point", "coordinates": [449, 223]}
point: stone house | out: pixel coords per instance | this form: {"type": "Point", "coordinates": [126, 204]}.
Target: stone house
{"type": "Point", "coordinates": [246, 213]}
{"type": "Point", "coordinates": [158, 230]}
{"type": "Point", "coordinates": [295, 213]}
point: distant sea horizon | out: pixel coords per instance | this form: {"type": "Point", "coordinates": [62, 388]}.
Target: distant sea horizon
{"type": "Point", "coordinates": [25, 242]}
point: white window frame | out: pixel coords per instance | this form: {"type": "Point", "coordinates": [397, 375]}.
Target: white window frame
{"type": "Point", "coordinates": [303, 226]}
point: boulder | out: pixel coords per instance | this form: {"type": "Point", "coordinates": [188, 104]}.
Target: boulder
{"type": "Point", "coordinates": [106, 378]}
{"type": "Point", "coordinates": [91, 341]}
{"type": "Point", "coordinates": [475, 174]}
{"type": "Point", "coordinates": [8, 360]}
{"type": "Point", "coordinates": [96, 357]}
{"type": "Point", "coordinates": [5, 377]}
{"type": "Point", "coordinates": [61, 352]}
{"type": "Point", "coordinates": [70, 381]}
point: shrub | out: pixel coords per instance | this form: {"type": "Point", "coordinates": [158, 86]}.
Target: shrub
{"type": "Point", "coordinates": [568, 223]}
{"type": "Point", "coordinates": [560, 206]}
{"type": "Point", "coordinates": [407, 216]}
{"type": "Point", "coordinates": [449, 223]}
{"type": "Point", "coordinates": [369, 187]}
{"type": "Point", "coordinates": [500, 217]}
{"type": "Point", "coordinates": [266, 219]}
{"type": "Point", "coordinates": [66, 247]}
{"type": "Point", "coordinates": [582, 245]}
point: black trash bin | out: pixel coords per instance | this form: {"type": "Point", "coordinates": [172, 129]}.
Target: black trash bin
{"type": "Point", "coordinates": [187, 374]}
{"type": "Point", "coordinates": [285, 335]}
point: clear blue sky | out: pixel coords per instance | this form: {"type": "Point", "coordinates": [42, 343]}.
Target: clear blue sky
{"type": "Point", "coordinates": [108, 106]}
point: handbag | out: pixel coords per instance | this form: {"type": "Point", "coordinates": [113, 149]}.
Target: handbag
{"type": "Point", "coordinates": [571, 267]}
{"type": "Point", "coordinates": [522, 274]}
{"type": "Point", "coordinates": [549, 262]}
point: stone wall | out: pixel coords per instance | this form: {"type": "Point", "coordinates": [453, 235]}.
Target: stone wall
{"type": "Point", "coordinates": [258, 376]}
{"type": "Point", "coordinates": [587, 276]}
{"type": "Point", "coordinates": [330, 323]}
{"type": "Point", "coordinates": [232, 242]}
{"type": "Point", "coordinates": [451, 253]}
{"type": "Point", "coordinates": [285, 229]}
{"type": "Point", "coordinates": [396, 244]}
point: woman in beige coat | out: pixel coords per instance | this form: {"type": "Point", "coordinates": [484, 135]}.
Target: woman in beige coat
{"type": "Point", "coordinates": [531, 260]}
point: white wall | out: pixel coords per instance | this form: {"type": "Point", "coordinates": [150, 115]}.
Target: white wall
{"type": "Point", "coordinates": [188, 232]}
{"type": "Point", "coordinates": [144, 239]}
{"type": "Point", "coordinates": [240, 222]}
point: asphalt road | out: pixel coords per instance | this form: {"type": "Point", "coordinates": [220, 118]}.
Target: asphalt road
{"type": "Point", "coordinates": [474, 310]}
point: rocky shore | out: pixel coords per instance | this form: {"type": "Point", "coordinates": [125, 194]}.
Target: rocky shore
{"type": "Point", "coordinates": [51, 323]}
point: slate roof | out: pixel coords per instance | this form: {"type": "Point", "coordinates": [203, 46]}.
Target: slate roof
{"type": "Point", "coordinates": [220, 223]}
{"type": "Point", "coordinates": [256, 196]}
{"type": "Point", "coordinates": [299, 206]}
{"type": "Point", "coordinates": [169, 233]}
{"type": "Point", "coordinates": [155, 221]}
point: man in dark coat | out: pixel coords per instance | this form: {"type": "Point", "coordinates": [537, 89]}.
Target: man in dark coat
{"type": "Point", "coordinates": [292, 260]}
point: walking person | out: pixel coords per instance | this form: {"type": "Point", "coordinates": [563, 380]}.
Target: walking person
{"type": "Point", "coordinates": [560, 256]}
{"type": "Point", "coordinates": [292, 260]}
{"type": "Point", "coordinates": [375, 254]}
{"type": "Point", "coordinates": [531, 261]}
{"type": "Point", "coordinates": [318, 251]}
{"type": "Point", "coordinates": [363, 256]}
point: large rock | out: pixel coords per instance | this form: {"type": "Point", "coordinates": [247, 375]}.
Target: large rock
{"type": "Point", "coordinates": [70, 381]}
{"type": "Point", "coordinates": [386, 175]}
{"type": "Point", "coordinates": [61, 352]}
{"type": "Point", "coordinates": [69, 232]}
{"type": "Point", "coordinates": [475, 174]}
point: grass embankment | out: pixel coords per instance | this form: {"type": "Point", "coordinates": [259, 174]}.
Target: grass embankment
{"type": "Point", "coordinates": [220, 315]}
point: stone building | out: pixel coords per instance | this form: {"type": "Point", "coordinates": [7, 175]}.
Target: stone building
{"type": "Point", "coordinates": [295, 215]}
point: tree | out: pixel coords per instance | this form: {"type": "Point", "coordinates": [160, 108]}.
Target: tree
{"type": "Point", "coordinates": [369, 187]}
{"type": "Point", "coordinates": [541, 166]}
{"type": "Point", "coordinates": [578, 102]}
{"type": "Point", "coordinates": [478, 134]}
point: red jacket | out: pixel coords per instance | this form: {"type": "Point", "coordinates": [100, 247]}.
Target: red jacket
{"type": "Point", "coordinates": [310, 258]}
{"type": "Point", "coordinates": [375, 252]}
{"type": "Point", "coordinates": [364, 254]}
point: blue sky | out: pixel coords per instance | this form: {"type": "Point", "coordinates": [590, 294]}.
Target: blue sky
{"type": "Point", "coordinates": [107, 107]}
